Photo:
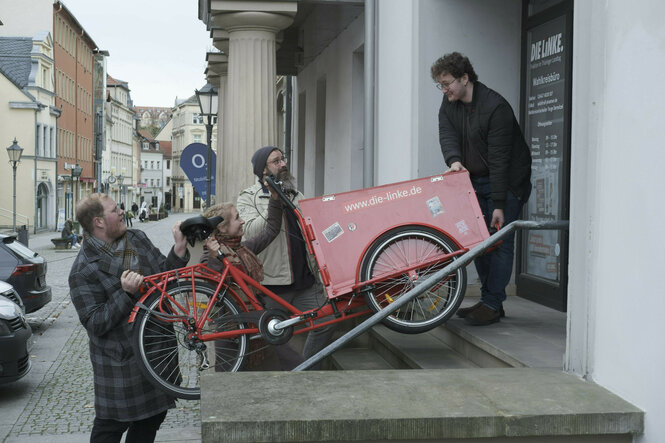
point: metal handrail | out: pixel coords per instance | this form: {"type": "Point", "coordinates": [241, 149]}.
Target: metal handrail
{"type": "Point", "coordinates": [427, 283]}
{"type": "Point", "coordinates": [10, 214]}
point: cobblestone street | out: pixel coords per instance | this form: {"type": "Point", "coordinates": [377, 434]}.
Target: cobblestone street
{"type": "Point", "coordinates": [55, 401]}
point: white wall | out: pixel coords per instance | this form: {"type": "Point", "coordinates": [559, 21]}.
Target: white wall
{"type": "Point", "coordinates": [335, 64]}
{"type": "Point", "coordinates": [616, 292]}
{"type": "Point", "coordinates": [396, 68]}
{"type": "Point", "coordinates": [486, 31]}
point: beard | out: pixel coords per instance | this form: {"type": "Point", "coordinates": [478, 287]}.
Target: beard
{"type": "Point", "coordinates": [117, 231]}
{"type": "Point", "coordinates": [288, 181]}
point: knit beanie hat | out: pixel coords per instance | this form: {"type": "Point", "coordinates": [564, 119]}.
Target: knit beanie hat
{"type": "Point", "coordinates": [259, 160]}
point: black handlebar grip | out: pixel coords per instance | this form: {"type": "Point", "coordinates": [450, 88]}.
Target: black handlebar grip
{"type": "Point", "coordinates": [280, 192]}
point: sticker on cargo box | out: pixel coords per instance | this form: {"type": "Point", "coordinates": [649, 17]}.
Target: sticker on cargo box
{"type": "Point", "coordinates": [332, 232]}
{"type": "Point", "coordinates": [462, 227]}
{"type": "Point", "coordinates": [435, 206]}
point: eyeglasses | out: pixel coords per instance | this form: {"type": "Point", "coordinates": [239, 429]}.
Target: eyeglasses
{"type": "Point", "coordinates": [277, 161]}
{"type": "Point", "coordinates": [115, 210]}
{"type": "Point", "coordinates": [445, 86]}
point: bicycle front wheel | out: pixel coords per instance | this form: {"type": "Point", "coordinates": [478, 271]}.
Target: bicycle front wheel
{"type": "Point", "coordinates": [405, 248]}
{"type": "Point", "coordinates": [170, 356]}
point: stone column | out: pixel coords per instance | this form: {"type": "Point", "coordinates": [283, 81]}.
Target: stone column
{"type": "Point", "coordinates": [249, 108]}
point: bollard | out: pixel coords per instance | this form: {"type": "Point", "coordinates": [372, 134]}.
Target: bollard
{"type": "Point", "coordinates": [23, 235]}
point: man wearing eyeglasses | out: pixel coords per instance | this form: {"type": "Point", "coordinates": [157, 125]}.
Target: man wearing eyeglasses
{"type": "Point", "coordinates": [478, 132]}
{"type": "Point", "coordinates": [104, 286]}
{"type": "Point", "coordinates": [287, 267]}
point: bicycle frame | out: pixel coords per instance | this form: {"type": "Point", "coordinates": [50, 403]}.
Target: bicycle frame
{"type": "Point", "coordinates": [340, 308]}
{"type": "Point", "coordinates": [233, 282]}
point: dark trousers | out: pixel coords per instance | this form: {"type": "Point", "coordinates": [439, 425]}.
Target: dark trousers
{"type": "Point", "coordinates": [495, 268]}
{"type": "Point", "coordinates": [110, 431]}
{"type": "Point", "coordinates": [317, 339]}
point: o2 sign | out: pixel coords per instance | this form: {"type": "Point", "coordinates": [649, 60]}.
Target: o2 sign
{"type": "Point", "coordinates": [193, 162]}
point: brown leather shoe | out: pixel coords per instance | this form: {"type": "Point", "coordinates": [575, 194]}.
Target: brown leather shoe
{"type": "Point", "coordinates": [483, 315]}
{"type": "Point", "coordinates": [463, 312]}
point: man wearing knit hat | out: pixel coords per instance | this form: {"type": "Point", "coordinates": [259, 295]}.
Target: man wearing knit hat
{"type": "Point", "coordinates": [286, 265]}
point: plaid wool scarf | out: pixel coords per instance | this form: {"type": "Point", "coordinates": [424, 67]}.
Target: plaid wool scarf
{"type": "Point", "coordinates": [240, 256]}
{"type": "Point", "coordinates": [123, 254]}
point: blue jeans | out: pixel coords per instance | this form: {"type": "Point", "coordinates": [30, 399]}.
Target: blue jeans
{"type": "Point", "coordinates": [74, 239]}
{"type": "Point", "coordinates": [496, 267]}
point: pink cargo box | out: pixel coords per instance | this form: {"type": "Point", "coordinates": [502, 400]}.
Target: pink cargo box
{"type": "Point", "coordinates": [341, 227]}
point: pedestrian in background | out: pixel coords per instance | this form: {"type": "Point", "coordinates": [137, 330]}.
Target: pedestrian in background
{"type": "Point", "coordinates": [69, 234]}
{"type": "Point", "coordinates": [478, 132]}
{"type": "Point", "coordinates": [143, 211]}
{"type": "Point", "coordinates": [104, 286]}
{"type": "Point", "coordinates": [122, 206]}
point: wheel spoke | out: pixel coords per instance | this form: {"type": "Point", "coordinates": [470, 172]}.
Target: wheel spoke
{"type": "Point", "coordinates": [405, 249]}
{"type": "Point", "coordinates": [170, 353]}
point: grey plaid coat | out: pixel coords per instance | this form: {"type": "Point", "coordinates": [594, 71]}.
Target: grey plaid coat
{"type": "Point", "coordinates": [121, 391]}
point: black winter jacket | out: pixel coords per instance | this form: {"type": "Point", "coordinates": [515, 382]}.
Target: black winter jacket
{"type": "Point", "coordinates": [494, 131]}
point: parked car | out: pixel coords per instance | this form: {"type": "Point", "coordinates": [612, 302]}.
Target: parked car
{"type": "Point", "coordinates": [24, 269]}
{"type": "Point", "coordinates": [15, 336]}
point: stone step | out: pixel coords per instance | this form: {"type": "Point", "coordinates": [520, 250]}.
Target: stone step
{"type": "Point", "coordinates": [510, 404]}
{"type": "Point", "coordinates": [415, 351]}
{"type": "Point", "coordinates": [387, 349]}
{"type": "Point", "coordinates": [357, 359]}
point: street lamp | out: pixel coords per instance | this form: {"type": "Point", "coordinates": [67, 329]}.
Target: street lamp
{"type": "Point", "coordinates": [14, 152]}
{"type": "Point", "coordinates": [76, 173]}
{"type": "Point", "coordinates": [121, 194]}
{"type": "Point", "coordinates": [207, 98]}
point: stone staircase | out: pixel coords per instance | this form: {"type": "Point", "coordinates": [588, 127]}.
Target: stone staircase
{"type": "Point", "coordinates": [531, 336]}
{"type": "Point", "coordinates": [457, 383]}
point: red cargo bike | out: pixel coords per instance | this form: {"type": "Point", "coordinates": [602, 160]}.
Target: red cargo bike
{"type": "Point", "coordinates": [371, 246]}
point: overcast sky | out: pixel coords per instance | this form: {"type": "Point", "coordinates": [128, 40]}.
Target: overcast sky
{"type": "Point", "coordinates": [157, 46]}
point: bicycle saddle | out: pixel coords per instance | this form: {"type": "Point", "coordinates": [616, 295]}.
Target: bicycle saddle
{"type": "Point", "coordinates": [199, 227]}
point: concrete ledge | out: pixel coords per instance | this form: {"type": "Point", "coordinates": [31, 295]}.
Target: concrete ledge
{"type": "Point", "coordinates": [393, 405]}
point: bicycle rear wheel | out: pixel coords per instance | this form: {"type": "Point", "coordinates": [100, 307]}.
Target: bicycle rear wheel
{"type": "Point", "coordinates": [169, 356]}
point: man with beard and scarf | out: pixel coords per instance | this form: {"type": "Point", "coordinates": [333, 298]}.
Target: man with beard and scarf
{"type": "Point", "coordinates": [287, 266]}
{"type": "Point", "coordinates": [104, 286]}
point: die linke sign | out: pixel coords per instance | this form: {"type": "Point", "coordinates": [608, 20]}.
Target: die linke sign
{"type": "Point", "coordinates": [193, 162]}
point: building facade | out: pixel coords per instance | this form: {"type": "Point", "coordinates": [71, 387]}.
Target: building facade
{"type": "Point", "coordinates": [73, 50]}
{"type": "Point", "coordinates": [29, 115]}
{"type": "Point", "coordinates": [153, 118]}
{"type": "Point", "coordinates": [152, 170]}
{"type": "Point", "coordinates": [188, 127]}
{"type": "Point", "coordinates": [117, 171]}
{"type": "Point", "coordinates": [362, 115]}
{"type": "Point", "coordinates": [74, 95]}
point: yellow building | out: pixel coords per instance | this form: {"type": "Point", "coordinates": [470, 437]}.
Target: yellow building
{"type": "Point", "coordinates": [28, 114]}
